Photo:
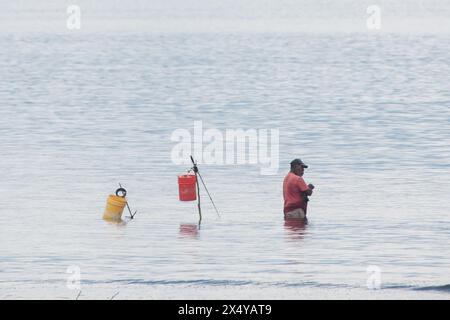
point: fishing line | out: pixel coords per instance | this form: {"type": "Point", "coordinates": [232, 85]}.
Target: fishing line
{"type": "Point", "coordinates": [197, 172]}
{"type": "Point", "coordinates": [124, 193]}
{"type": "Point", "coordinates": [198, 199]}
{"type": "Point", "coordinates": [210, 198]}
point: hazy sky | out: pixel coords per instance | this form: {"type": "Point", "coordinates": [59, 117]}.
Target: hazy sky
{"type": "Point", "coordinates": [227, 15]}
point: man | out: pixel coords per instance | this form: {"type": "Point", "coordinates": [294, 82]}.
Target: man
{"type": "Point", "coordinates": [296, 191]}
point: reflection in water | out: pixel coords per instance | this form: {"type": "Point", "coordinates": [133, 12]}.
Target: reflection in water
{"type": "Point", "coordinates": [119, 223]}
{"type": "Point", "coordinates": [189, 230]}
{"type": "Point", "coordinates": [296, 228]}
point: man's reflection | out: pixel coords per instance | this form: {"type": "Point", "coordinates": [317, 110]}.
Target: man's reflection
{"type": "Point", "coordinates": [296, 228]}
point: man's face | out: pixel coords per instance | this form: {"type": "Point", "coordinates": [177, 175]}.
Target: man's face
{"type": "Point", "coordinates": [299, 170]}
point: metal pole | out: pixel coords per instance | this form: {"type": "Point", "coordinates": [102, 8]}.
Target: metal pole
{"type": "Point", "coordinates": [198, 198]}
{"type": "Point", "coordinates": [129, 210]}
{"type": "Point", "coordinates": [209, 195]}
{"type": "Point", "coordinates": [197, 172]}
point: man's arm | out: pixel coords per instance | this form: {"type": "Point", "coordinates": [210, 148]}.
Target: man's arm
{"type": "Point", "coordinates": [310, 189]}
{"type": "Point", "coordinates": [305, 189]}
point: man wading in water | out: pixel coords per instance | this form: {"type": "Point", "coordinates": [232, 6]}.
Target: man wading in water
{"type": "Point", "coordinates": [296, 191]}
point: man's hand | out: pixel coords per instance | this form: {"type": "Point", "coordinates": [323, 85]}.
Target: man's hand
{"type": "Point", "coordinates": [310, 189]}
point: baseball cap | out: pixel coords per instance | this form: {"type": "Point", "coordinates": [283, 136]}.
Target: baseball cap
{"type": "Point", "coordinates": [298, 162]}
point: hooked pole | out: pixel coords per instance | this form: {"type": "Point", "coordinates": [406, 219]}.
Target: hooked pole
{"type": "Point", "coordinates": [197, 173]}
{"type": "Point", "coordinates": [209, 195]}
{"type": "Point", "coordinates": [195, 169]}
{"type": "Point", "coordinates": [124, 194]}
{"type": "Point", "coordinates": [198, 202]}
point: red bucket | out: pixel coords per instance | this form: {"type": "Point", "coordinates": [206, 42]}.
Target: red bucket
{"type": "Point", "coordinates": [187, 187]}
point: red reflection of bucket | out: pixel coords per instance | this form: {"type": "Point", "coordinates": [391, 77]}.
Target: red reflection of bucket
{"type": "Point", "coordinates": [189, 230]}
{"type": "Point", "coordinates": [186, 187]}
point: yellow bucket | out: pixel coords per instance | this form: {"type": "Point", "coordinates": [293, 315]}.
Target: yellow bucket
{"type": "Point", "coordinates": [114, 208]}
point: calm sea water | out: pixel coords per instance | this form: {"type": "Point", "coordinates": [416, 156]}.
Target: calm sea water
{"type": "Point", "coordinates": [81, 112]}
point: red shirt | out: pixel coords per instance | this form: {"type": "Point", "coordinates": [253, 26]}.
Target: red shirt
{"type": "Point", "coordinates": [293, 188]}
